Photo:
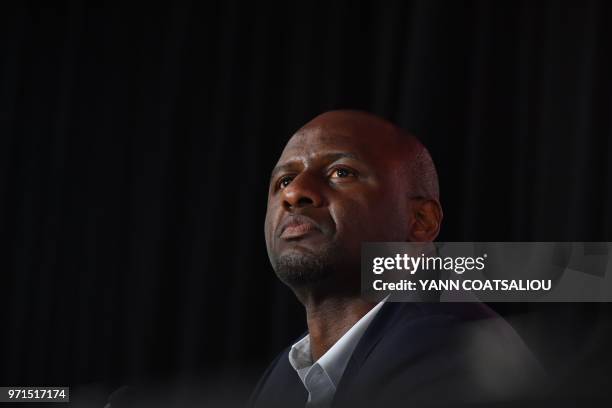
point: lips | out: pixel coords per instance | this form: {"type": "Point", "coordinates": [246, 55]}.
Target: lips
{"type": "Point", "coordinates": [297, 227]}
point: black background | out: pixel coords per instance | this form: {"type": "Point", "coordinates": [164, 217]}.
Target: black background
{"type": "Point", "coordinates": [136, 145]}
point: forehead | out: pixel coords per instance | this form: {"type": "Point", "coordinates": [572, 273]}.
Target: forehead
{"type": "Point", "coordinates": [367, 144]}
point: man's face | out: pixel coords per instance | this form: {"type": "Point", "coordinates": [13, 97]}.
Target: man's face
{"type": "Point", "coordinates": [335, 186]}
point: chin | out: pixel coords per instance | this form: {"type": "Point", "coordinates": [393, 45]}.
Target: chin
{"type": "Point", "coordinates": [298, 268]}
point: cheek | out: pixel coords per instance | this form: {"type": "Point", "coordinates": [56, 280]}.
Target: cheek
{"type": "Point", "coordinates": [377, 218]}
{"type": "Point", "coordinates": [269, 224]}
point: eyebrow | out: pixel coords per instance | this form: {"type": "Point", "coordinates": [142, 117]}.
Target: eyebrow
{"type": "Point", "coordinates": [331, 157]}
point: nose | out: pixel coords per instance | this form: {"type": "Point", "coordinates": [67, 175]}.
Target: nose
{"type": "Point", "coordinates": [303, 191]}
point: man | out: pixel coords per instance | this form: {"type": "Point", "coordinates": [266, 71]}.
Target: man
{"type": "Point", "coordinates": [345, 178]}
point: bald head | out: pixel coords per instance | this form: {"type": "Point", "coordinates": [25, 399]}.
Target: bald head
{"type": "Point", "coordinates": [417, 164]}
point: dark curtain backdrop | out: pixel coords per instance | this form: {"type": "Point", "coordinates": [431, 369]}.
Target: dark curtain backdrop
{"type": "Point", "coordinates": [136, 144]}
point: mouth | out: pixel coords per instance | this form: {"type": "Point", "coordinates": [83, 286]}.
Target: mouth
{"type": "Point", "coordinates": [298, 227]}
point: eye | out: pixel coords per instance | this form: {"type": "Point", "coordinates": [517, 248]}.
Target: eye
{"type": "Point", "coordinates": [284, 181]}
{"type": "Point", "coordinates": [343, 173]}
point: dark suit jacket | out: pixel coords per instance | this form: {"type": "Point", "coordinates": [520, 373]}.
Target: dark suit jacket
{"type": "Point", "coordinates": [420, 354]}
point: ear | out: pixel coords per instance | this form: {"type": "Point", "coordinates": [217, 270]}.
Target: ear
{"type": "Point", "coordinates": [425, 219]}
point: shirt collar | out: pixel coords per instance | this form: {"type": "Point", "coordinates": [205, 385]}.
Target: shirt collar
{"type": "Point", "coordinates": [335, 360]}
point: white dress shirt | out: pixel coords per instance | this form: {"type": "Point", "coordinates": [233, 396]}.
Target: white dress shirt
{"type": "Point", "coordinates": [321, 378]}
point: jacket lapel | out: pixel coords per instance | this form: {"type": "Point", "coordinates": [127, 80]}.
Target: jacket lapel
{"type": "Point", "coordinates": [387, 316]}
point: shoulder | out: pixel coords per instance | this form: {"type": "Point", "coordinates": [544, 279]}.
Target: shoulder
{"type": "Point", "coordinates": [279, 385]}
{"type": "Point", "coordinates": [283, 356]}
{"type": "Point", "coordinates": [456, 348]}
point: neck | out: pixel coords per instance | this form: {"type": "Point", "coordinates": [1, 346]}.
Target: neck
{"type": "Point", "coordinates": [329, 319]}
